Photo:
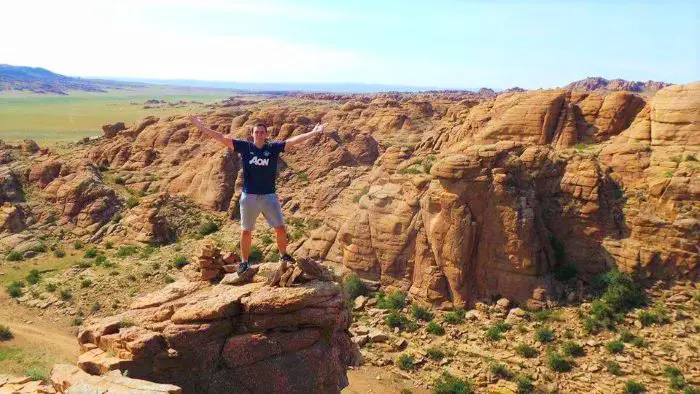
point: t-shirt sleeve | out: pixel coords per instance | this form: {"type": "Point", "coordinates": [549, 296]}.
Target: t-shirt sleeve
{"type": "Point", "coordinates": [278, 146]}
{"type": "Point", "coordinates": [239, 145]}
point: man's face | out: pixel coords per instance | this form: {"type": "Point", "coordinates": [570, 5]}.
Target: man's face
{"type": "Point", "coordinates": [259, 133]}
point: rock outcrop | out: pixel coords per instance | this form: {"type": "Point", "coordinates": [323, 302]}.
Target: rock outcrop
{"type": "Point", "coordinates": [221, 338]}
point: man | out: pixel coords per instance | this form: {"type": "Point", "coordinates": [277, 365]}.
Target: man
{"type": "Point", "coordinates": [259, 161]}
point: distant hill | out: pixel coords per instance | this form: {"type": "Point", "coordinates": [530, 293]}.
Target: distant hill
{"type": "Point", "coordinates": [41, 80]}
{"type": "Point", "coordinates": [598, 83]}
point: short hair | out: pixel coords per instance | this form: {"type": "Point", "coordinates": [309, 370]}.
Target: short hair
{"type": "Point", "coordinates": [263, 125]}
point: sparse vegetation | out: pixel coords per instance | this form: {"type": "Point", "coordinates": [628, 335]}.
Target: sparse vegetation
{"type": "Point", "coordinates": [132, 201]}
{"type": "Point", "coordinates": [501, 371]}
{"type": "Point", "coordinates": [208, 227]}
{"type": "Point", "coordinates": [421, 313]}
{"type": "Point", "coordinates": [572, 349]}
{"type": "Point", "coordinates": [615, 347]}
{"type": "Point", "coordinates": [77, 245]}
{"type": "Point", "coordinates": [354, 286]}
{"type": "Point", "coordinates": [558, 363]}
{"type": "Point", "coordinates": [495, 332]}
{"type": "Point", "coordinates": [14, 255]}
{"type": "Point", "coordinates": [394, 300]}
{"type": "Point", "coordinates": [435, 353]}
{"type": "Point", "coordinates": [434, 328]}
{"type": "Point", "coordinates": [180, 261]}
{"type": "Point", "coordinates": [5, 333]}
{"type": "Point", "coordinates": [526, 351]}
{"type": "Point", "coordinates": [456, 316]}
{"type": "Point", "coordinates": [449, 384]}
{"type": "Point", "coordinates": [37, 374]}
{"type": "Point", "coordinates": [85, 283]}
{"type": "Point", "coordinates": [614, 368]}
{"type": "Point", "coordinates": [544, 334]}
{"type": "Point", "coordinates": [33, 277]}
{"type": "Point", "coordinates": [14, 289]}
{"type": "Point", "coordinates": [675, 376]}
{"type": "Point", "coordinates": [126, 250]}
{"type": "Point", "coordinates": [50, 287]}
{"type": "Point", "coordinates": [66, 295]}
{"type": "Point", "coordinates": [59, 252]}
{"type": "Point", "coordinates": [255, 255]}
{"type": "Point", "coordinates": [406, 362]}
{"type": "Point", "coordinates": [634, 387]}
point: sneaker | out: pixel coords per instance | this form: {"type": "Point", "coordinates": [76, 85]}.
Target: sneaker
{"type": "Point", "coordinates": [242, 267]}
{"type": "Point", "coordinates": [286, 258]}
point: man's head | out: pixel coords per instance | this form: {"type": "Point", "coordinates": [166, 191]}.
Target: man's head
{"type": "Point", "coordinates": [259, 132]}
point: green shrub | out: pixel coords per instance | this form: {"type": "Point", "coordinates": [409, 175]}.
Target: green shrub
{"type": "Point", "coordinates": [647, 318]}
{"type": "Point", "coordinates": [132, 201]}
{"type": "Point", "coordinates": [525, 384]}
{"type": "Point", "coordinates": [66, 295]}
{"type": "Point", "coordinates": [614, 368]}
{"type": "Point", "coordinates": [14, 289]}
{"type": "Point", "coordinates": [526, 351]}
{"type": "Point", "coordinates": [14, 256]}
{"type": "Point", "coordinates": [266, 239]}
{"type": "Point", "coordinates": [428, 163]}
{"type": "Point", "coordinates": [406, 362]}
{"type": "Point", "coordinates": [544, 334]}
{"type": "Point", "coordinates": [435, 353]}
{"type": "Point", "coordinates": [456, 316]}
{"type": "Point", "coordinates": [90, 253]}
{"type": "Point", "coordinates": [434, 328]}
{"type": "Point", "coordinates": [634, 387]}
{"type": "Point", "coordinates": [615, 346]}
{"type": "Point", "coordinates": [77, 321]}
{"type": "Point", "coordinates": [449, 384]}
{"type": "Point", "coordinates": [494, 333]}
{"type": "Point", "coordinates": [208, 227]}
{"type": "Point", "coordinates": [302, 176]}
{"type": "Point", "coordinates": [626, 336]}
{"type": "Point", "coordinates": [394, 300]}
{"type": "Point", "coordinates": [126, 250]}
{"type": "Point", "coordinates": [37, 374]}
{"type": "Point", "coordinates": [33, 277]}
{"type": "Point", "coordinates": [85, 283]}
{"type": "Point", "coordinates": [675, 376]}
{"type": "Point", "coordinates": [573, 349]}
{"type": "Point", "coordinates": [39, 248]}
{"type": "Point", "coordinates": [119, 180]}
{"type": "Point", "coordinates": [691, 390]}
{"type": "Point", "coordinates": [501, 371]}
{"type": "Point", "coordinates": [77, 244]}
{"type": "Point", "coordinates": [354, 286]}
{"type": "Point", "coordinates": [395, 319]}
{"type": "Point", "coordinates": [59, 253]}
{"type": "Point", "coordinates": [558, 363]}
{"type": "Point", "coordinates": [95, 307]}
{"type": "Point", "coordinates": [420, 313]}
{"type": "Point", "coordinates": [5, 333]}
{"type": "Point", "coordinates": [50, 287]}
{"type": "Point", "coordinates": [169, 279]}
{"type": "Point", "coordinates": [255, 255]}
{"type": "Point", "coordinates": [639, 342]}
{"type": "Point", "coordinates": [620, 292]}
{"type": "Point", "coordinates": [180, 261]}
{"type": "Point", "coordinates": [84, 264]}
{"type": "Point", "coordinates": [109, 245]}
{"type": "Point", "coordinates": [147, 251]}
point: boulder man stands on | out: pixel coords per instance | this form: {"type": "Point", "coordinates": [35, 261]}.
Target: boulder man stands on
{"type": "Point", "coordinates": [259, 161]}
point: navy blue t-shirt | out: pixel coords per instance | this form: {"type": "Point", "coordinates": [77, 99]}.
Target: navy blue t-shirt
{"type": "Point", "coordinates": [259, 165]}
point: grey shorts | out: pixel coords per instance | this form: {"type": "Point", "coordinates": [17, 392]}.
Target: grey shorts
{"type": "Point", "coordinates": [253, 204]}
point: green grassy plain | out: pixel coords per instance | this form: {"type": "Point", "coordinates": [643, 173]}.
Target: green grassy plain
{"type": "Point", "coordinates": [50, 119]}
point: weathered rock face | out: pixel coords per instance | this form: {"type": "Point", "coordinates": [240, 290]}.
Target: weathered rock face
{"type": "Point", "coordinates": [597, 83]}
{"type": "Point", "coordinates": [222, 339]}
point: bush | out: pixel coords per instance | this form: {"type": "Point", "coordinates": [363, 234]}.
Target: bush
{"type": "Point", "coordinates": [90, 253]}
{"type": "Point", "coordinates": [33, 277]}
{"type": "Point", "coordinates": [420, 313]}
{"type": "Point", "coordinates": [66, 295]}
{"type": "Point", "coordinates": [39, 248]}
{"type": "Point", "coordinates": [494, 333]}
{"type": "Point", "coordinates": [266, 239]}
{"type": "Point", "coordinates": [14, 256]}
{"type": "Point", "coordinates": [394, 300]}
{"type": "Point", "coordinates": [526, 351]}
{"type": "Point", "coordinates": [59, 253]}
{"type": "Point", "coordinates": [573, 349]}
{"type": "Point", "coordinates": [50, 287]}
{"type": "Point", "coordinates": [109, 245]}
{"type": "Point", "coordinates": [639, 342]}
{"type": "Point", "coordinates": [525, 384]}
{"type": "Point", "coordinates": [37, 374]}
{"type": "Point", "coordinates": [406, 362]}
{"type": "Point", "coordinates": [626, 336]}
{"type": "Point", "coordinates": [77, 321]}
{"type": "Point", "coordinates": [125, 251]}
{"type": "Point", "coordinates": [647, 318]}
{"type": "Point", "coordinates": [85, 283]}
{"type": "Point", "coordinates": [435, 353]}
{"type": "Point", "coordinates": [132, 201]}
{"type": "Point", "coordinates": [456, 316]}
{"type": "Point", "coordinates": [448, 384]}
{"type": "Point", "coordinates": [615, 347]}
{"type": "Point", "coordinates": [5, 333]}
{"type": "Point", "coordinates": [544, 334]}
{"type": "Point", "coordinates": [621, 293]}
{"type": "Point", "coordinates": [558, 363]}
{"type": "Point", "coordinates": [208, 227]}
{"type": "Point", "coordinates": [634, 387]}
{"type": "Point", "coordinates": [180, 261]}
{"type": "Point", "coordinates": [354, 286]}
{"type": "Point", "coordinates": [434, 328]}
{"type": "Point", "coordinates": [95, 307]}
{"type": "Point", "coordinates": [77, 245]}
{"type": "Point", "coordinates": [501, 371]}
{"type": "Point", "coordinates": [675, 376]}
{"type": "Point", "coordinates": [84, 264]}
{"type": "Point", "coordinates": [169, 279]}
{"type": "Point", "coordinates": [119, 180]}
{"type": "Point", "coordinates": [614, 368]}
{"type": "Point", "coordinates": [395, 319]}
{"type": "Point", "coordinates": [255, 255]}
{"type": "Point", "coordinates": [14, 289]}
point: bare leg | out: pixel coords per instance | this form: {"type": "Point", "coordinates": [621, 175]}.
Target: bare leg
{"type": "Point", "coordinates": [281, 234]}
{"type": "Point", "coordinates": [246, 240]}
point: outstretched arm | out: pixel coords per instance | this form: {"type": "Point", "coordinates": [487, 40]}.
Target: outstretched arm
{"type": "Point", "coordinates": [211, 133]}
{"type": "Point", "coordinates": [297, 139]}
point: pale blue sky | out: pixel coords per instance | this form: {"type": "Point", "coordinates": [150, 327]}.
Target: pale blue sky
{"type": "Point", "coordinates": [441, 43]}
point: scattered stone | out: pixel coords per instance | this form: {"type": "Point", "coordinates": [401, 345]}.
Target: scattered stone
{"type": "Point", "coordinates": [360, 302]}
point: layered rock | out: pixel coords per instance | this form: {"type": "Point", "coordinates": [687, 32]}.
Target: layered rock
{"type": "Point", "coordinates": [221, 339]}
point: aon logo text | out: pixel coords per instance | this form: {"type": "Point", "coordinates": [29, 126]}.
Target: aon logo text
{"type": "Point", "coordinates": [259, 162]}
